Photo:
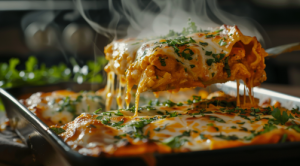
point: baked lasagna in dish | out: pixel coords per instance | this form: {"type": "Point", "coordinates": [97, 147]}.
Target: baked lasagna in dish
{"type": "Point", "coordinates": [192, 125]}
{"type": "Point", "coordinates": [201, 121]}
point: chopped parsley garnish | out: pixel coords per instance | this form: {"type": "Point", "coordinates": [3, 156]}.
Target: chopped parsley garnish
{"type": "Point", "coordinates": [209, 36]}
{"type": "Point", "coordinates": [233, 127]}
{"type": "Point", "coordinates": [295, 110]}
{"type": "Point", "coordinates": [281, 118]}
{"type": "Point", "coordinates": [196, 99]}
{"type": "Point", "coordinates": [118, 113]}
{"type": "Point", "coordinates": [216, 119]}
{"type": "Point", "coordinates": [99, 117]}
{"type": "Point", "coordinates": [243, 129]}
{"type": "Point", "coordinates": [175, 142]}
{"type": "Point", "coordinates": [162, 128]}
{"type": "Point", "coordinates": [222, 43]}
{"type": "Point", "coordinates": [98, 110]}
{"type": "Point", "coordinates": [220, 30]}
{"type": "Point", "coordinates": [229, 137]}
{"type": "Point", "coordinates": [187, 55]}
{"type": "Point", "coordinates": [203, 43]}
{"type": "Point", "coordinates": [180, 41]}
{"type": "Point", "coordinates": [208, 52]}
{"type": "Point", "coordinates": [209, 62]}
{"type": "Point", "coordinates": [192, 40]}
{"type": "Point", "coordinates": [169, 103]}
{"type": "Point", "coordinates": [162, 61]}
{"type": "Point", "coordinates": [79, 98]}
{"type": "Point", "coordinates": [173, 114]}
{"type": "Point", "coordinates": [212, 74]}
{"type": "Point", "coordinates": [68, 105]}
{"type": "Point", "coordinates": [240, 122]}
{"type": "Point", "coordinates": [186, 133]}
{"type": "Point", "coordinates": [116, 124]}
{"type": "Point", "coordinates": [192, 66]}
{"type": "Point", "coordinates": [57, 130]}
{"type": "Point", "coordinates": [180, 104]}
{"type": "Point", "coordinates": [159, 112]}
{"type": "Point", "coordinates": [106, 121]}
{"type": "Point", "coordinates": [202, 136]}
{"type": "Point", "coordinates": [244, 116]}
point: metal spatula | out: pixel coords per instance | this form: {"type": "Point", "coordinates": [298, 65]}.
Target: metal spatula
{"type": "Point", "coordinates": [283, 49]}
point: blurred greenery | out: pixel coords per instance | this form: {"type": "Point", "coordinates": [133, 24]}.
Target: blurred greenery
{"type": "Point", "coordinates": [41, 75]}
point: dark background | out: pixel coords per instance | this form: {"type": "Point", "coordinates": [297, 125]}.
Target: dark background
{"type": "Point", "coordinates": [56, 40]}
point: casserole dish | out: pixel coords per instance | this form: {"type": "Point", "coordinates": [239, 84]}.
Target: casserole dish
{"type": "Point", "coordinates": [49, 149]}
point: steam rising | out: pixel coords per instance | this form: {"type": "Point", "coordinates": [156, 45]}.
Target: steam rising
{"type": "Point", "coordinates": [157, 17]}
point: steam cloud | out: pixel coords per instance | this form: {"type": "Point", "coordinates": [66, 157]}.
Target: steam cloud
{"type": "Point", "coordinates": [157, 17]}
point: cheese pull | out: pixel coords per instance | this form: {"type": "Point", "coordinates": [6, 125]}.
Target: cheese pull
{"type": "Point", "coordinates": [195, 60]}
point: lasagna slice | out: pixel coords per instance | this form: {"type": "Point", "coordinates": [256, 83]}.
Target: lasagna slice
{"type": "Point", "coordinates": [184, 61]}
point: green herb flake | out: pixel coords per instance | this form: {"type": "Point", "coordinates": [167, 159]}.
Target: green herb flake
{"type": "Point", "coordinates": [159, 112]}
{"type": "Point", "coordinates": [99, 117]}
{"type": "Point", "coordinates": [222, 43]}
{"type": "Point", "coordinates": [57, 130]}
{"type": "Point", "coordinates": [192, 40]}
{"type": "Point", "coordinates": [192, 66]}
{"type": "Point", "coordinates": [229, 137]}
{"type": "Point", "coordinates": [209, 62]}
{"type": "Point", "coordinates": [162, 61]}
{"type": "Point", "coordinates": [203, 43]}
{"type": "Point", "coordinates": [118, 113]}
{"type": "Point", "coordinates": [202, 136]}
{"type": "Point", "coordinates": [219, 30]}
{"type": "Point", "coordinates": [98, 110]}
{"type": "Point", "coordinates": [212, 74]}
{"type": "Point", "coordinates": [209, 36]}
{"type": "Point", "coordinates": [281, 118]}
{"type": "Point", "coordinates": [208, 52]}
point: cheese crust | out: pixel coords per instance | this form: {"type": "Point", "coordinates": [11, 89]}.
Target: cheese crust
{"type": "Point", "coordinates": [166, 127]}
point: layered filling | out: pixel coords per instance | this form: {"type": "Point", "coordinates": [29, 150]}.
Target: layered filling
{"type": "Point", "coordinates": [184, 61]}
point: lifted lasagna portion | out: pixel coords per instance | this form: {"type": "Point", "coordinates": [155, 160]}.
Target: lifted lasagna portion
{"type": "Point", "coordinates": [195, 60]}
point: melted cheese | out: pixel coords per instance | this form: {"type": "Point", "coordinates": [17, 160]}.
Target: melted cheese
{"type": "Point", "coordinates": [156, 66]}
{"type": "Point", "coordinates": [205, 125]}
{"type": "Point", "coordinates": [55, 108]}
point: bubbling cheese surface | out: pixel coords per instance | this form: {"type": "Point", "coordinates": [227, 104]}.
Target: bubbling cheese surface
{"type": "Point", "coordinates": [62, 106]}
{"type": "Point", "coordinates": [165, 127]}
{"type": "Point", "coordinates": [196, 60]}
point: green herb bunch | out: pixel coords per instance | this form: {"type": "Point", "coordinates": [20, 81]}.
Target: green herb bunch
{"type": "Point", "coordinates": [41, 75]}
